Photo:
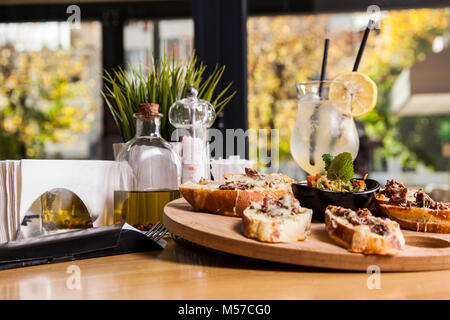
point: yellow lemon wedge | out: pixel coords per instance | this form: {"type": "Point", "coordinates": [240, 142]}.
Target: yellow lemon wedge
{"type": "Point", "coordinates": [353, 93]}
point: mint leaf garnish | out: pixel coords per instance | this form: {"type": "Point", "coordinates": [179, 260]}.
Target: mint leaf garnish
{"type": "Point", "coordinates": [341, 168]}
{"type": "Point", "coordinates": [327, 158]}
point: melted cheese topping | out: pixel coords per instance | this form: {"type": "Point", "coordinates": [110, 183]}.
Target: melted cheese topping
{"type": "Point", "coordinates": [289, 207]}
{"type": "Point", "coordinates": [260, 183]}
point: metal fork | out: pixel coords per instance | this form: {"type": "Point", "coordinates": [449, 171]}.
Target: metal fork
{"type": "Point", "coordinates": [156, 232]}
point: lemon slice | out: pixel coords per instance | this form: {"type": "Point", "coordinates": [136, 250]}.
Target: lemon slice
{"type": "Point", "coordinates": [354, 93]}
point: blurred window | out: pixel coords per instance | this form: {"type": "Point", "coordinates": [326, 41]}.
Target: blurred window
{"type": "Point", "coordinates": [177, 38]}
{"type": "Point", "coordinates": [411, 147]}
{"type": "Point", "coordinates": [138, 43]}
{"type": "Point", "coordinates": [50, 102]}
{"type": "Point", "coordinates": [147, 39]}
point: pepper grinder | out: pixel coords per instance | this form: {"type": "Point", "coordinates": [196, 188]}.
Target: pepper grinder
{"type": "Point", "coordinates": [192, 117]}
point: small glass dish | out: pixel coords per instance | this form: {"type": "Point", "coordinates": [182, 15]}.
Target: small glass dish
{"type": "Point", "coordinates": [318, 199]}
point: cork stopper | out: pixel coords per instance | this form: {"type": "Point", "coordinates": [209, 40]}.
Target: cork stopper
{"type": "Point", "coordinates": [149, 110]}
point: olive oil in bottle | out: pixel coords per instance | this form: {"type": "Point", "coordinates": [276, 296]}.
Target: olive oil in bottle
{"type": "Point", "coordinates": [142, 209]}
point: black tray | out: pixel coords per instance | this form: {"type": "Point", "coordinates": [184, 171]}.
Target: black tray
{"type": "Point", "coordinates": [75, 245]}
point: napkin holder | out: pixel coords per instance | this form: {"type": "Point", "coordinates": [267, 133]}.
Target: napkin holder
{"type": "Point", "coordinates": [75, 245]}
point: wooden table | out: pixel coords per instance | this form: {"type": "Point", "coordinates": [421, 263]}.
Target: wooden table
{"type": "Point", "coordinates": [183, 271]}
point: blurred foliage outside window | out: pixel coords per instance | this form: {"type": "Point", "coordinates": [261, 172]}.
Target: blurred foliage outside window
{"type": "Point", "coordinates": [288, 49]}
{"type": "Point", "coordinates": [45, 96]}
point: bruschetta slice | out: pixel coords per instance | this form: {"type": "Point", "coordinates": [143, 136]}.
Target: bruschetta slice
{"type": "Point", "coordinates": [413, 210]}
{"type": "Point", "coordinates": [359, 231]}
{"type": "Point", "coordinates": [277, 220]}
{"type": "Point", "coordinates": [236, 193]}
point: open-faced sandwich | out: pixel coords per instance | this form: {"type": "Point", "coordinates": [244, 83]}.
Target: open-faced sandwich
{"type": "Point", "coordinates": [236, 193]}
{"type": "Point", "coordinates": [360, 231]}
{"type": "Point", "coordinates": [277, 220]}
{"type": "Point", "coordinates": [413, 210]}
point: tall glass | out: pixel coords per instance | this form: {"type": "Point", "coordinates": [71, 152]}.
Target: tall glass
{"type": "Point", "coordinates": [322, 126]}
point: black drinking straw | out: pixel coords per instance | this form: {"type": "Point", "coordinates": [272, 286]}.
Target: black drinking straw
{"type": "Point", "coordinates": [363, 45]}
{"type": "Point", "coordinates": [313, 136]}
{"type": "Point", "coordinates": [324, 65]}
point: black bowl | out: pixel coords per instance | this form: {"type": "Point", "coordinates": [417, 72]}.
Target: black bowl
{"type": "Point", "coordinates": [318, 199]}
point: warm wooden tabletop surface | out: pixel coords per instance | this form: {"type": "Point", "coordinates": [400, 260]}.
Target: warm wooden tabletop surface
{"type": "Point", "coordinates": [185, 272]}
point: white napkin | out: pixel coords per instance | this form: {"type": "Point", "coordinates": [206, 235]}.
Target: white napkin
{"type": "Point", "coordinates": [11, 201]}
{"type": "Point", "coordinates": [18, 188]}
{"type": "Point", "coordinates": [9, 204]}
{"type": "Point", "coordinates": [93, 182]}
{"type": "Point", "coordinates": [23, 182]}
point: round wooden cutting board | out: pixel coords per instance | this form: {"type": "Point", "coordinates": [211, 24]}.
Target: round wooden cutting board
{"type": "Point", "coordinates": [424, 251]}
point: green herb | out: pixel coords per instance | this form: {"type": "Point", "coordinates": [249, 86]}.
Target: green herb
{"type": "Point", "coordinates": [327, 158]}
{"type": "Point", "coordinates": [164, 83]}
{"type": "Point", "coordinates": [341, 168]}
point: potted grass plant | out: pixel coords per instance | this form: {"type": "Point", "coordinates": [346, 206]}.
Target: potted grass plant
{"type": "Point", "coordinates": [164, 83]}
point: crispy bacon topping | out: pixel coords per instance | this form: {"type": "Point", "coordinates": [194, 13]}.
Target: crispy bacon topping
{"type": "Point", "coordinates": [361, 217]}
{"type": "Point", "coordinates": [341, 212]}
{"type": "Point", "coordinates": [364, 213]}
{"type": "Point", "coordinates": [252, 173]}
{"type": "Point", "coordinates": [379, 229]}
{"type": "Point", "coordinates": [397, 192]}
{"type": "Point", "coordinates": [423, 200]}
{"type": "Point", "coordinates": [272, 206]}
{"type": "Point", "coordinates": [235, 186]}
{"type": "Point", "coordinates": [354, 220]}
{"type": "Point", "coordinates": [226, 186]}
{"type": "Point", "coordinates": [267, 203]}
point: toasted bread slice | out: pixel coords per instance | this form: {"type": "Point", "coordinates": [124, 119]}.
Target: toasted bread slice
{"type": "Point", "coordinates": [272, 220]}
{"type": "Point", "coordinates": [417, 219]}
{"type": "Point", "coordinates": [237, 193]}
{"type": "Point", "coordinates": [413, 210]}
{"type": "Point", "coordinates": [359, 231]}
